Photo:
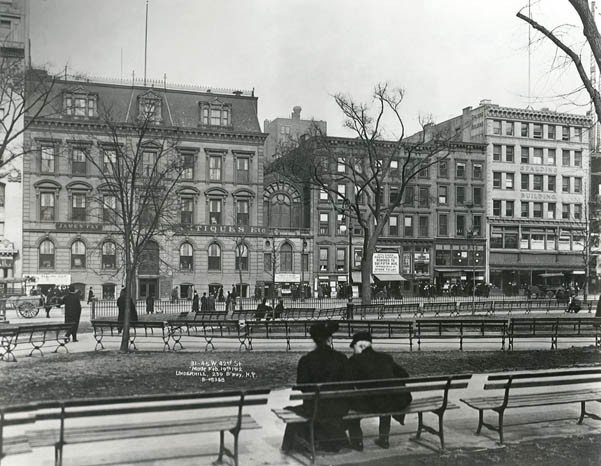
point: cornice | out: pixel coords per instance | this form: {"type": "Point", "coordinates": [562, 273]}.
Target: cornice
{"type": "Point", "coordinates": [538, 115]}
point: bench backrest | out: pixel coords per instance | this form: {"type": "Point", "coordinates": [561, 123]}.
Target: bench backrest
{"type": "Point", "coordinates": [204, 316]}
{"type": "Point", "coordinates": [552, 378]}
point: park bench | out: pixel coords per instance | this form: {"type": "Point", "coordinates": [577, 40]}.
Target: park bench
{"type": "Point", "coordinates": [397, 310]}
{"type": "Point", "coordinates": [379, 329]}
{"type": "Point", "coordinates": [554, 328]}
{"type": "Point", "coordinates": [476, 307]}
{"type": "Point", "coordinates": [104, 329]}
{"type": "Point", "coordinates": [437, 308]}
{"type": "Point", "coordinates": [509, 307]}
{"type": "Point", "coordinates": [332, 313]}
{"type": "Point", "coordinates": [150, 420]}
{"type": "Point", "coordinates": [211, 316]}
{"type": "Point", "coordinates": [463, 329]}
{"type": "Point", "coordinates": [555, 387]}
{"type": "Point", "coordinates": [244, 314]}
{"type": "Point", "coordinates": [436, 400]}
{"type": "Point", "coordinates": [35, 335]}
{"type": "Point", "coordinates": [208, 330]}
{"type": "Point", "coordinates": [364, 311]}
{"type": "Point", "coordinates": [298, 313]}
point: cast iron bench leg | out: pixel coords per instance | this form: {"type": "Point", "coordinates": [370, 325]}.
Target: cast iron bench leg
{"type": "Point", "coordinates": [480, 421]}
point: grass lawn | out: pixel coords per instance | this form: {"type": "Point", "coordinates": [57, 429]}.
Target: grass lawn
{"type": "Point", "coordinates": [111, 373]}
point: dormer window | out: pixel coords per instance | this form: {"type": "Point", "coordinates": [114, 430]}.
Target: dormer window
{"type": "Point", "coordinates": [81, 104]}
{"type": "Point", "coordinates": [150, 109]}
{"type": "Point", "coordinates": [215, 114]}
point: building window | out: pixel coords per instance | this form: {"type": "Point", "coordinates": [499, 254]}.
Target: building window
{"type": "Point", "coordinates": [565, 133]}
{"type": "Point", "coordinates": [525, 210]}
{"type": "Point", "coordinates": [149, 160]}
{"type": "Point", "coordinates": [110, 161]}
{"type": "Point", "coordinates": [477, 171]}
{"type": "Point", "coordinates": [323, 195]}
{"type": "Point", "coordinates": [460, 170]}
{"type": "Point", "coordinates": [109, 255]}
{"type": "Point", "coordinates": [241, 257]}
{"type": "Point", "coordinates": [341, 192]}
{"type": "Point", "coordinates": [78, 162]}
{"type": "Point", "coordinates": [78, 207]}
{"type": "Point", "coordinates": [537, 131]}
{"type": "Point", "coordinates": [577, 211]}
{"type": "Point", "coordinates": [477, 225]}
{"type": "Point", "coordinates": [578, 159]}
{"type": "Point", "coordinates": [551, 210]}
{"type": "Point", "coordinates": [2, 194]}
{"type": "Point", "coordinates": [286, 259]}
{"type": "Point", "coordinates": [551, 132]}
{"type": "Point", "coordinates": [551, 183]}
{"type": "Point", "coordinates": [537, 156]}
{"type": "Point", "coordinates": [443, 169]}
{"type": "Point", "coordinates": [215, 168]}
{"type": "Point", "coordinates": [215, 211]}
{"type": "Point", "coordinates": [424, 229]}
{"type": "Point", "coordinates": [394, 168]}
{"type": "Point", "coordinates": [150, 109]}
{"type": "Point", "coordinates": [324, 223]}
{"type": "Point", "coordinates": [242, 212]}
{"type": "Point", "coordinates": [46, 254]}
{"type": "Point", "coordinates": [186, 211]}
{"type": "Point", "coordinates": [408, 231]}
{"type": "Point", "coordinates": [577, 185]}
{"type": "Point", "coordinates": [393, 225]}
{"type": "Point", "coordinates": [48, 157]}
{"type": "Point", "coordinates": [550, 157]}
{"type": "Point", "coordinates": [424, 196]}
{"type": "Point", "coordinates": [509, 128]}
{"type": "Point", "coordinates": [80, 105]}
{"type": "Point", "coordinates": [565, 184]}
{"type": "Point", "coordinates": [340, 166]}
{"type": "Point", "coordinates": [496, 127]}
{"type": "Point", "coordinates": [496, 208]}
{"type": "Point", "coordinates": [109, 208]}
{"type": "Point", "coordinates": [47, 213]}
{"type": "Point", "coordinates": [565, 158]}
{"type": "Point", "coordinates": [509, 177]}
{"type": "Point", "coordinates": [424, 173]}
{"type": "Point", "coordinates": [443, 225]}
{"type": "Point", "coordinates": [267, 262]}
{"type": "Point", "coordinates": [214, 257]}
{"type": "Point", "coordinates": [305, 262]}
{"type": "Point", "coordinates": [577, 134]}
{"type": "Point", "coordinates": [242, 170]}
{"type": "Point", "coordinates": [537, 182]}
{"type": "Point", "coordinates": [460, 195]}
{"type": "Point", "coordinates": [525, 157]}
{"type": "Point", "coordinates": [323, 259]}
{"type": "Point", "coordinates": [509, 208]}
{"type": "Point", "coordinates": [477, 195]}
{"type": "Point", "coordinates": [524, 129]}
{"type": "Point", "coordinates": [525, 182]}
{"type": "Point", "coordinates": [537, 209]}
{"type": "Point", "coordinates": [394, 196]}
{"type": "Point", "coordinates": [443, 197]}
{"type": "Point", "coordinates": [509, 154]}
{"type": "Point", "coordinates": [496, 180]}
{"type": "Point", "coordinates": [186, 257]}
{"type": "Point", "coordinates": [187, 160]}
{"type": "Point", "coordinates": [409, 196]}
{"type": "Point", "coordinates": [496, 153]}
{"type": "Point", "coordinates": [340, 260]}
{"type": "Point", "coordinates": [565, 211]}
{"type": "Point", "coordinates": [78, 255]}
{"type": "Point", "coordinates": [460, 225]}
{"type": "Point", "coordinates": [216, 114]}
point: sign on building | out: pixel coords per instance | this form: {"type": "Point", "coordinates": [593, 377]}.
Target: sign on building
{"type": "Point", "coordinates": [385, 263]}
{"type": "Point", "coordinates": [59, 279]}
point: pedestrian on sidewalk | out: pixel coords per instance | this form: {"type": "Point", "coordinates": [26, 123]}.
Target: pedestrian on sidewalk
{"type": "Point", "coordinates": [195, 304]}
{"type": "Point", "coordinates": [368, 364]}
{"type": "Point", "coordinates": [150, 304]}
{"type": "Point", "coordinates": [90, 295]}
{"type": "Point", "coordinates": [204, 303]}
{"type": "Point", "coordinates": [72, 312]}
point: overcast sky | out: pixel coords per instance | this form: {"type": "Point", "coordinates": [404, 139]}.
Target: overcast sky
{"type": "Point", "coordinates": [446, 54]}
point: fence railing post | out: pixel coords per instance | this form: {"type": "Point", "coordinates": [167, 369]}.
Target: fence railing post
{"type": "Point", "coordinates": [93, 310]}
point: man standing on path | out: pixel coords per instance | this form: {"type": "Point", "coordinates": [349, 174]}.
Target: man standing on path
{"type": "Point", "coordinates": [90, 295]}
{"type": "Point", "coordinates": [72, 311]}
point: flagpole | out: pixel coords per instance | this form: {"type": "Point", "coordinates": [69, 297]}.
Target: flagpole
{"type": "Point", "coordinates": [145, 42]}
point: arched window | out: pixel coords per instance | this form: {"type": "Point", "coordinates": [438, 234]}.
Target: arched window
{"type": "Point", "coordinates": [149, 259]}
{"type": "Point", "coordinates": [46, 254]}
{"type": "Point", "coordinates": [186, 260]}
{"type": "Point", "coordinates": [280, 214]}
{"type": "Point", "coordinates": [241, 256]}
{"type": "Point", "coordinates": [214, 257]}
{"type": "Point", "coordinates": [109, 255]}
{"type": "Point", "coordinates": [286, 258]}
{"type": "Point", "coordinates": [78, 255]}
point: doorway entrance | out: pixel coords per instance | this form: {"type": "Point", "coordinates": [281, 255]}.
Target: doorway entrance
{"type": "Point", "coordinates": [148, 286]}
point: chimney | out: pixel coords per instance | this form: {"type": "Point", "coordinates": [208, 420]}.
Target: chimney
{"type": "Point", "coordinates": [485, 102]}
{"type": "Point", "coordinates": [296, 111]}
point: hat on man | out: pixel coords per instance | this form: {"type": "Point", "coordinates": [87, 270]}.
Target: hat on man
{"type": "Point", "coordinates": [360, 336]}
{"type": "Point", "coordinates": [322, 331]}
{"type": "Point", "coordinates": [72, 288]}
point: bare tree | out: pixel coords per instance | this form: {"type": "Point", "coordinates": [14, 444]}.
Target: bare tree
{"type": "Point", "coordinates": [139, 170]}
{"type": "Point", "coordinates": [25, 95]}
{"type": "Point", "coordinates": [593, 38]}
{"type": "Point", "coordinates": [354, 173]}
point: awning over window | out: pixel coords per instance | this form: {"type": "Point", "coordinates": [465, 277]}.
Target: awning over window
{"type": "Point", "coordinates": [391, 278]}
{"type": "Point", "coordinates": [357, 278]}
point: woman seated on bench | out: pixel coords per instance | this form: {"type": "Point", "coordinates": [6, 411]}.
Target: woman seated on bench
{"type": "Point", "coordinates": [322, 365]}
{"type": "Point", "coordinates": [367, 364]}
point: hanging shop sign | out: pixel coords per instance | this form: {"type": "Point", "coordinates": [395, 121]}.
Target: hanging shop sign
{"type": "Point", "coordinates": [385, 262]}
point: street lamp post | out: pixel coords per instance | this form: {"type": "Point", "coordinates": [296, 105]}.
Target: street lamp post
{"type": "Point", "coordinates": [302, 265]}
{"type": "Point", "coordinates": [470, 235]}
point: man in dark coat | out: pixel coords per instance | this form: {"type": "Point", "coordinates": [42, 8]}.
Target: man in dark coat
{"type": "Point", "coordinates": [195, 302]}
{"type": "Point", "coordinates": [150, 304]}
{"type": "Point", "coordinates": [90, 295]}
{"type": "Point", "coordinates": [121, 303]}
{"type": "Point", "coordinates": [367, 364]}
{"type": "Point", "coordinates": [204, 303]}
{"type": "Point", "coordinates": [322, 365]}
{"type": "Point", "coordinates": [72, 312]}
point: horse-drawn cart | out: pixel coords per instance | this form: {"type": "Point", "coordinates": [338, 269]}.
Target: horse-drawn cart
{"type": "Point", "coordinates": [14, 296]}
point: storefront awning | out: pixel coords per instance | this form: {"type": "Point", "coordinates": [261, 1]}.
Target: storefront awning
{"type": "Point", "coordinates": [578, 272]}
{"type": "Point", "coordinates": [357, 278]}
{"type": "Point", "coordinates": [393, 277]}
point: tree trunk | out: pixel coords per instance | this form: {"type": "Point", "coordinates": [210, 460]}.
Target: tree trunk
{"type": "Point", "coordinates": [366, 272]}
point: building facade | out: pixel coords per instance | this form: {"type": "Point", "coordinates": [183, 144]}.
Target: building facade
{"type": "Point", "coordinates": [538, 175]}
{"type": "Point", "coordinates": [220, 191]}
